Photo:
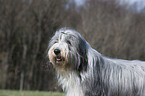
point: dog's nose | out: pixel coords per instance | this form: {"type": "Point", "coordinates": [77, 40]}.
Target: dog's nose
{"type": "Point", "coordinates": [56, 51]}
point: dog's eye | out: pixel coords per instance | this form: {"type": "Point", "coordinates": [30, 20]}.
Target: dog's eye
{"type": "Point", "coordinates": [68, 42]}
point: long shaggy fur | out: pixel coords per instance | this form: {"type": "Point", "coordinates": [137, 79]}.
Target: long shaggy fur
{"type": "Point", "coordinates": [82, 71]}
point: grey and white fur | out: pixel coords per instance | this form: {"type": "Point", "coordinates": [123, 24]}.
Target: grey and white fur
{"type": "Point", "coordinates": [82, 71]}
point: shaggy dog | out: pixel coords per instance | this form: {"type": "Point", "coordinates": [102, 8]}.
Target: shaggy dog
{"type": "Point", "coordinates": [82, 71]}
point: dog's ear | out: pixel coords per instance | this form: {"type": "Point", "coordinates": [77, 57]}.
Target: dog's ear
{"type": "Point", "coordinates": [82, 49]}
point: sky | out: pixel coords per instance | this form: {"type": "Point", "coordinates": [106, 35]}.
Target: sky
{"type": "Point", "coordinates": [79, 2]}
{"type": "Point", "coordinates": [135, 5]}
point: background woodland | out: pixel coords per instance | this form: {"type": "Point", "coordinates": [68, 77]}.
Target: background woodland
{"type": "Point", "coordinates": [26, 27]}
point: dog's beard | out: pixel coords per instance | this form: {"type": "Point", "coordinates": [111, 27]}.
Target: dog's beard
{"type": "Point", "coordinates": [61, 62]}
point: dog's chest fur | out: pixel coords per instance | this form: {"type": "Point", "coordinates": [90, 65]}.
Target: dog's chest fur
{"type": "Point", "coordinates": [71, 84]}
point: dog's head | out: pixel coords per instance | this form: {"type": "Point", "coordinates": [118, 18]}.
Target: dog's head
{"type": "Point", "coordinates": [68, 50]}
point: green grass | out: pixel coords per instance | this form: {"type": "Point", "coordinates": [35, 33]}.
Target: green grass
{"type": "Point", "coordinates": [28, 93]}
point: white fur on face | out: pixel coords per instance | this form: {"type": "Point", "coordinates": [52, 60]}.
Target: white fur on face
{"type": "Point", "coordinates": [64, 54]}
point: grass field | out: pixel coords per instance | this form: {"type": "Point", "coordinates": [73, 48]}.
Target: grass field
{"type": "Point", "coordinates": [28, 93]}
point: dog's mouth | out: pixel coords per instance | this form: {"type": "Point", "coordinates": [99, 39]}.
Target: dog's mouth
{"type": "Point", "coordinates": [59, 59]}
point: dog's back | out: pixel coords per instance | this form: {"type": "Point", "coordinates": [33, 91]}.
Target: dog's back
{"type": "Point", "coordinates": [124, 77]}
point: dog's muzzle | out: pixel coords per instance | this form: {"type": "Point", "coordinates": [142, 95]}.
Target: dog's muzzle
{"type": "Point", "coordinates": [58, 57]}
{"type": "Point", "coordinates": [57, 51]}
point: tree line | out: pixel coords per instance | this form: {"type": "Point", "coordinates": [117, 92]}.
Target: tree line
{"type": "Point", "coordinates": [26, 27]}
